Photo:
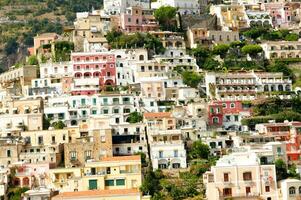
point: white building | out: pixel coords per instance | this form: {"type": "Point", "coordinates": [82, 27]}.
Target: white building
{"type": "Point", "coordinates": [115, 7]}
{"type": "Point", "coordinates": [290, 189]}
{"type": "Point", "coordinates": [184, 6]}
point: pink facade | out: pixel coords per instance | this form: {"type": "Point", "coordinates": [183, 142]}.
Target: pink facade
{"type": "Point", "coordinates": [92, 72]}
{"type": "Point", "coordinates": [281, 14]}
{"type": "Point", "coordinates": [137, 20]}
{"type": "Point", "coordinates": [215, 114]}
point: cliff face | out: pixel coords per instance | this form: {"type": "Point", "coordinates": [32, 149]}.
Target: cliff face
{"type": "Point", "coordinates": [8, 61]}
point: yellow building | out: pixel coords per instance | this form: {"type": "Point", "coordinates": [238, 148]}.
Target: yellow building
{"type": "Point", "coordinates": [111, 173]}
{"type": "Point", "coordinates": [124, 194]}
{"type": "Point", "coordinates": [241, 176]}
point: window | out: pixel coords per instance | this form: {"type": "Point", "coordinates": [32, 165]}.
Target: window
{"type": "Point", "coordinates": [64, 137]}
{"type": "Point", "coordinates": [215, 120]}
{"type": "Point", "coordinates": [94, 101]}
{"type": "Point", "coordinates": [129, 19]}
{"type": "Point", "coordinates": [117, 120]}
{"type": "Point", "coordinates": [175, 153]}
{"type": "Point", "coordinates": [300, 190]}
{"type": "Point", "coordinates": [93, 184]}
{"type": "Point", "coordinates": [88, 154]}
{"type": "Point", "coordinates": [232, 105]}
{"type": "Point", "coordinates": [247, 176]}
{"type": "Point", "coordinates": [226, 177]}
{"type": "Point", "coordinates": [105, 111]}
{"type": "Point", "coordinates": [267, 188]}
{"type": "Point", "coordinates": [116, 110]}
{"type": "Point", "coordinates": [53, 139]}
{"type": "Point", "coordinates": [227, 192]}
{"type": "Point", "coordinates": [73, 155]}
{"type": "Point", "coordinates": [83, 102]}
{"type": "Point", "coordinates": [120, 182]}
{"type": "Point", "coordinates": [109, 182]}
{"type": "Point", "coordinates": [105, 101]}
{"type": "Point", "coordinates": [224, 105]}
{"type": "Point", "coordinates": [8, 153]}
{"type": "Point", "coordinates": [236, 118]}
{"type": "Point", "coordinates": [292, 190]}
{"type": "Point", "coordinates": [40, 140]}
{"type": "Point", "coordinates": [279, 150]}
{"type": "Point", "coordinates": [126, 110]}
{"type": "Point", "coordinates": [94, 112]}
{"type": "Point", "coordinates": [248, 190]}
{"type": "Point", "coordinates": [160, 154]}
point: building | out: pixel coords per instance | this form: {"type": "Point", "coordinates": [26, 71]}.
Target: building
{"type": "Point", "coordinates": [116, 7]}
{"type": "Point", "coordinates": [9, 152]}
{"type": "Point", "coordinates": [184, 7]}
{"type": "Point", "coordinates": [4, 173]}
{"type": "Point", "coordinates": [89, 146]}
{"type": "Point", "coordinates": [123, 194]}
{"type": "Point", "coordinates": [241, 176]}
{"type": "Point", "coordinates": [18, 115]}
{"type": "Point", "coordinates": [137, 19]}
{"type": "Point", "coordinates": [110, 173]}
{"type": "Point", "coordinates": [43, 39]}
{"type": "Point", "coordinates": [290, 189]}
{"type": "Point", "coordinates": [89, 31]}
{"type": "Point", "coordinates": [92, 72]}
{"type": "Point", "coordinates": [259, 18]}
{"type": "Point", "coordinates": [197, 35]}
{"type": "Point", "coordinates": [281, 49]}
{"type": "Point", "coordinates": [166, 143]}
{"type": "Point", "coordinates": [15, 79]}
{"type": "Point", "coordinates": [228, 114]}
{"type": "Point", "coordinates": [231, 17]}
{"type": "Point", "coordinates": [245, 85]}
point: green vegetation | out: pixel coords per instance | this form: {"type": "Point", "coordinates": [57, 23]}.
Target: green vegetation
{"type": "Point", "coordinates": [191, 78]}
{"type": "Point", "coordinates": [274, 109]}
{"type": "Point", "coordinates": [199, 150]}
{"type": "Point", "coordinates": [32, 60]}
{"type": "Point", "coordinates": [117, 39]}
{"type": "Point", "coordinates": [63, 50]}
{"type": "Point", "coordinates": [266, 33]}
{"type": "Point", "coordinates": [134, 117]}
{"type": "Point", "coordinates": [221, 50]}
{"type": "Point", "coordinates": [15, 193]}
{"type": "Point", "coordinates": [11, 46]}
{"type": "Point", "coordinates": [166, 15]}
{"type": "Point", "coordinates": [46, 123]}
{"type": "Point", "coordinates": [283, 172]}
{"type": "Point", "coordinates": [58, 125]}
{"type": "Point", "coordinates": [252, 50]}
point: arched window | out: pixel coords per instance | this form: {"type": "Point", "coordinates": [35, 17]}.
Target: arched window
{"type": "Point", "coordinates": [292, 190]}
{"type": "Point", "coordinates": [300, 190]}
{"type": "Point", "coordinates": [141, 57]}
{"type": "Point", "coordinates": [215, 120]}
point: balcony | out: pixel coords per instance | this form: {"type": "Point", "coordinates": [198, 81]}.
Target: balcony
{"type": "Point", "coordinates": [243, 196]}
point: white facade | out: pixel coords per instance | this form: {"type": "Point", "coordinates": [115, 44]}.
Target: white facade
{"type": "Point", "coordinates": [290, 189]}
{"type": "Point", "coordinates": [61, 69]}
{"type": "Point", "coordinates": [115, 7]}
{"type": "Point", "coordinates": [185, 6]}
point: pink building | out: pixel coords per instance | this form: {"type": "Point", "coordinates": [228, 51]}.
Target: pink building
{"type": "Point", "coordinates": [136, 19]}
{"type": "Point", "coordinates": [92, 72]}
{"type": "Point", "coordinates": [281, 13]}
{"type": "Point", "coordinates": [27, 175]}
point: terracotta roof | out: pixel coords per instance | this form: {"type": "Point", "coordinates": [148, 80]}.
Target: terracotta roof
{"type": "Point", "coordinates": [157, 114]}
{"type": "Point", "coordinates": [121, 158]}
{"type": "Point", "coordinates": [95, 193]}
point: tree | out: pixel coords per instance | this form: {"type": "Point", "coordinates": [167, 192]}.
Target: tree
{"type": "Point", "coordinates": [292, 37]}
{"type": "Point", "coordinates": [58, 125]}
{"type": "Point", "coordinates": [46, 123]}
{"type": "Point", "coordinates": [281, 67]}
{"type": "Point", "coordinates": [191, 78]}
{"type": "Point", "coordinates": [134, 117]}
{"type": "Point", "coordinates": [143, 158]}
{"type": "Point", "coordinates": [199, 150]}
{"type": "Point", "coordinates": [201, 54]}
{"type": "Point", "coordinates": [252, 49]}
{"type": "Point", "coordinates": [32, 60]}
{"type": "Point", "coordinates": [255, 32]}
{"type": "Point", "coordinates": [151, 183]}
{"type": "Point", "coordinates": [11, 46]}
{"type": "Point", "coordinates": [221, 50]}
{"type": "Point", "coordinates": [63, 50]}
{"type": "Point", "coordinates": [165, 15]}
{"type": "Point", "coordinates": [281, 170]}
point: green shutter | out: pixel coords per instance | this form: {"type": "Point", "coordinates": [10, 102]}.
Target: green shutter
{"type": "Point", "coordinates": [120, 182]}
{"type": "Point", "coordinates": [92, 184]}
{"type": "Point", "coordinates": [109, 182]}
